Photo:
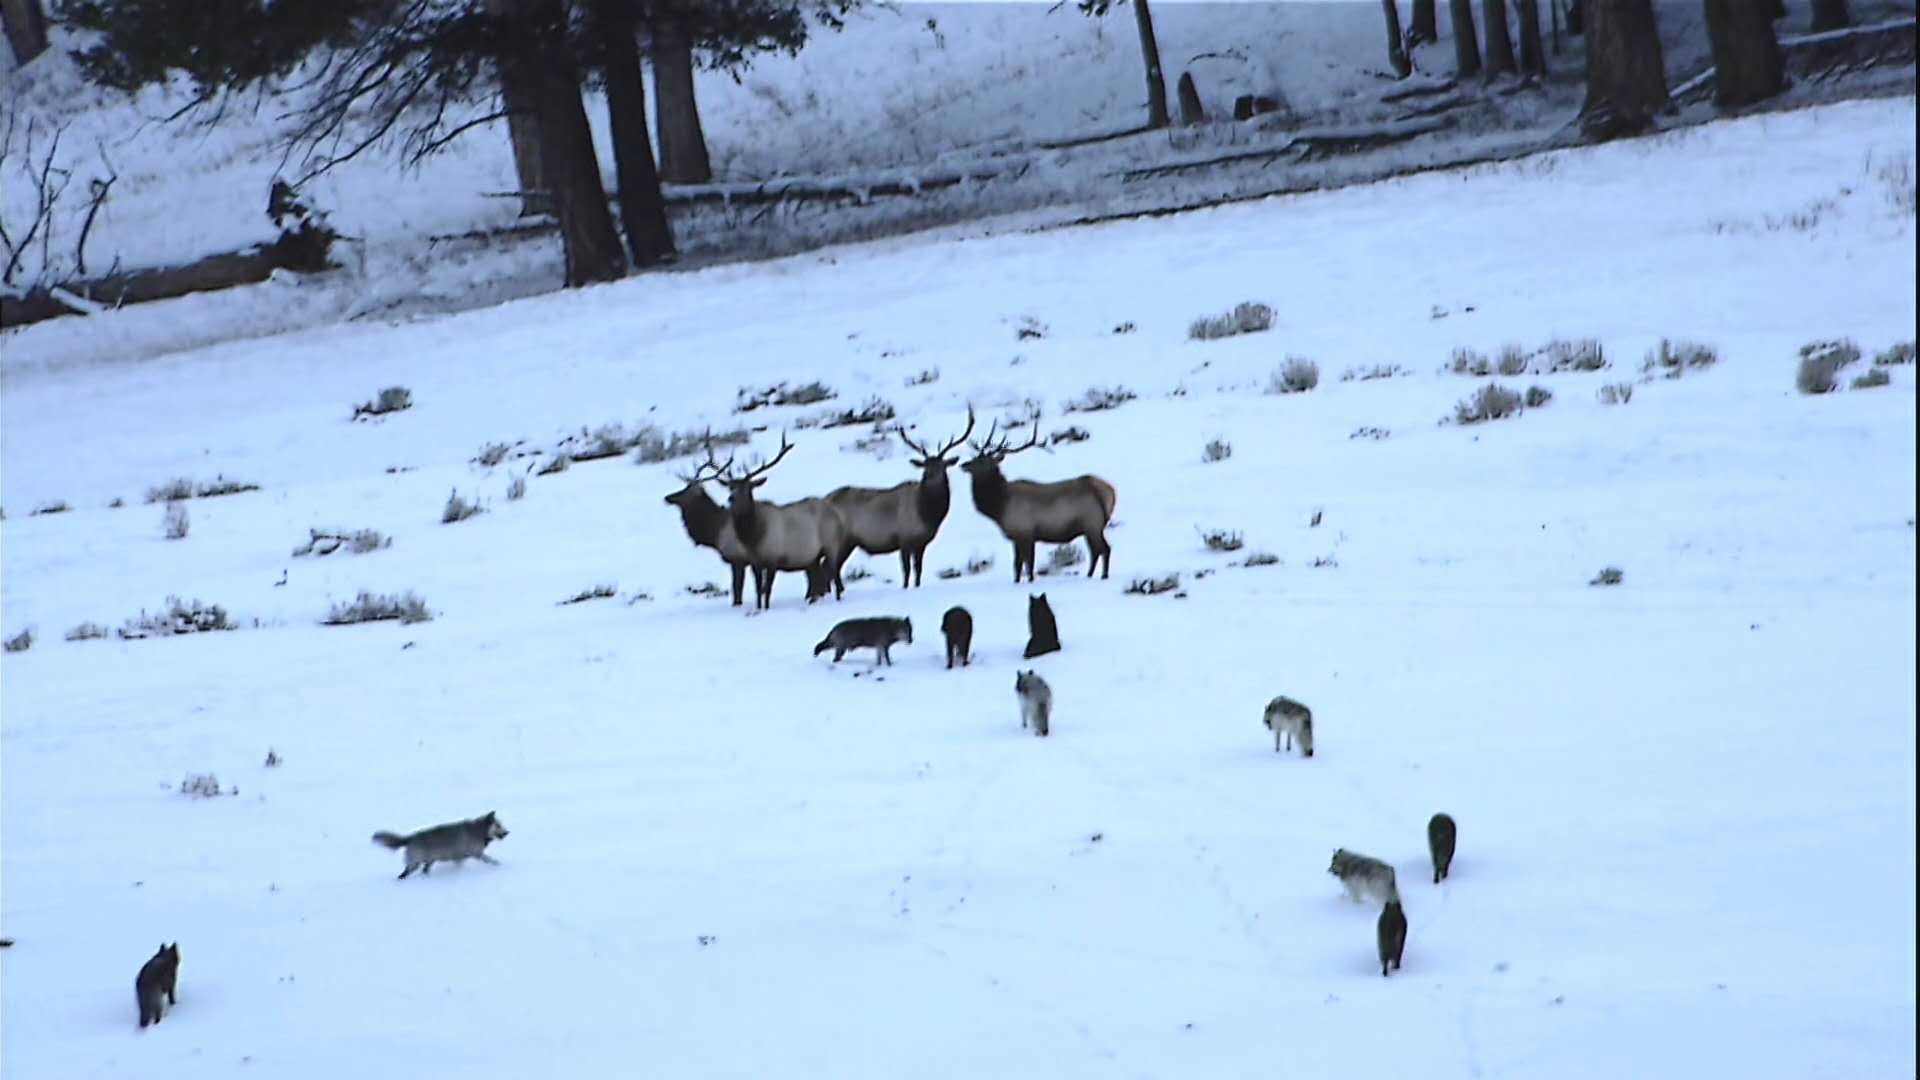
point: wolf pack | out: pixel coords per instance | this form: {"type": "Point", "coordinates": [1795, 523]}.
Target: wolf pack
{"type": "Point", "coordinates": [816, 537]}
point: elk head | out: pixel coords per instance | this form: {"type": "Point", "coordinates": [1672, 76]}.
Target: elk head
{"type": "Point", "coordinates": [989, 454]}
{"type": "Point", "coordinates": [702, 516]}
{"type": "Point", "coordinates": [933, 466]}
{"type": "Point", "coordinates": [740, 487]}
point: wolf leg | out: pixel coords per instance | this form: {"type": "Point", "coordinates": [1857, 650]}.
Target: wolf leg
{"type": "Point", "coordinates": [411, 867]}
{"type": "Point", "coordinates": [488, 859]}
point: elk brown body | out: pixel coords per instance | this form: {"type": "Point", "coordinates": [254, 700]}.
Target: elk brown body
{"type": "Point", "coordinates": [709, 525]}
{"type": "Point", "coordinates": [906, 516]}
{"type": "Point", "coordinates": [1030, 512]}
{"type": "Point", "coordinates": [806, 534]}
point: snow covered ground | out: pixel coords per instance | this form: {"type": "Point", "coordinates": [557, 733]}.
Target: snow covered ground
{"type": "Point", "coordinates": [1686, 803]}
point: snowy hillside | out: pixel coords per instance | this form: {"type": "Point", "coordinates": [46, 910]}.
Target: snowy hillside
{"type": "Point", "coordinates": [1686, 802]}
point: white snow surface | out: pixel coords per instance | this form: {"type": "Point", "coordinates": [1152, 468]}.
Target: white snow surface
{"type": "Point", "coordinates": [1686, 803]}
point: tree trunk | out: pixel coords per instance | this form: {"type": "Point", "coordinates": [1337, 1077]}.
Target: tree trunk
{"type": "Point", "coordinates": [683, 146]}
{"type": "Point", "coordinates": [1466, 48]}
{"type": "Point", "coordinates": [523, 127]}
{"type": "Point", "coordinates": [1396, 47]}
{"type": "Point", "coordinates": [643, 208]}
{"type": "Point", "coordinates": [1425, 26]}
{"type": "Point", "coordinates": [1747, 66]}
{"type": "Point", "coordinates": [1576, 22]}
{"type": "Point", "coordinates": [1150, 52]}
{"type": "Point", "coordinates": [1626, 73]}
{"type": "Point", "coordinates": [26, 27]}
{"type": "Point", "coordinates": [1499, 41]}
{"type": "Point", "coordinates": [1830, 15]}
{"type": "Point", "coordinates": [1533, 58]}
{"type": "Point", "coordinates": [592, 248]}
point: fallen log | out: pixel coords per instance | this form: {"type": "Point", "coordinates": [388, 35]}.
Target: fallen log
{"type": "Point", "coordinates": [224, 271]}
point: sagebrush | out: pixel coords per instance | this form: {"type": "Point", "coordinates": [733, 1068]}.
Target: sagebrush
{"type": "Point", "coordinates": [1246, 318]}
{"type": "Point", "coordinates": [1297, 376]}
{"type": "Point", "coordinates": [383, 607]}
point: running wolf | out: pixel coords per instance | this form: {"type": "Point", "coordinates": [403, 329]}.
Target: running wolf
{"type": "Point", "coordinates": [1364, 876]}
{"type": "Point", "coordinates": [156, 981]}
{"type": "Point", "coordinates": [455, 842]}
{"type": "Point", "coordinates": [1290, 722]}
{"type": "Point", "coordinates": [876, 634]}
{"type": "Point", "coordinates": [1391, 934]}
{"type": "Point", "coordinates": [1036, 702]}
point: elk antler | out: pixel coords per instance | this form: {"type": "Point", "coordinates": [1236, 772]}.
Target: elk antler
{"type": "Point", "coordinates": [701, 473]}
{"type": "Point", "coordinates": [762, 469]}
{"type": "Point", "coordinates": [1000, 449]}
{"type": "Point", "coordinates": [944, 450]}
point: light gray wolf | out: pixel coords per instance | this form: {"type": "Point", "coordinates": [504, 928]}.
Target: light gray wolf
{"type": "Point", "coordinates": [1036, 702]}
{"type": "Point", "coordinates": [1363, 876]}
{"type": "Point", "coordinates": [876, 634]}
{"type": "Point", "coordinates": [957, 625]}
{"type": "Point", "coordinates": [455, 842]}
{"type": "Point", "coordinates": [1290, 722]}
{"type": "Point", "coordinates": [1441, 833]}
{"type": "Point", "coordinates": [155, 982]}
{"type": "Point", "coordinates": [1391, 934]}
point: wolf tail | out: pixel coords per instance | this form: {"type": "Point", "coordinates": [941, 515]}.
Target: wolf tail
{"type": "Point", "coordinates": [825, 644]}
{"type": "Point", "coordinates": [388, 839]}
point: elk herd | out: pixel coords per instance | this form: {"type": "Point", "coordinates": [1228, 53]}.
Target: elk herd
{"type": "Point", "coordinates": [816, 536]}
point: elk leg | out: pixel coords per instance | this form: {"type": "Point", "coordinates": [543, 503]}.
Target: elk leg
{"type": "Point", "coordinates": [1027, 552]}
{"type": "Point", "coordinates": [739, 581]}
{"type": "Point", "coordinates": [906, 567]}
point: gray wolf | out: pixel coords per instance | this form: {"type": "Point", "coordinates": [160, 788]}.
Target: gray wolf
{"type": "Point", "coordinates": [156, 981]}
{"type": "Point", "coordinates": [957, 625]}
{"type": "Point", "coordinates": [1043, 634]}
{"type": "Point", "coordinates": [1290, 722]}
{"type": "Point", "coordinates": [455, 842]}
{"type": "Point", "coordinates": [1441, 833]}
{"type": "Point", "coordinates": [1391, 934]}
{"type": "Point", "coordinates": [876, 634]}
{"type": "Point", "coordinates": [1036, 702]}
{"type": "Point", "coordinates": [1363, 876]}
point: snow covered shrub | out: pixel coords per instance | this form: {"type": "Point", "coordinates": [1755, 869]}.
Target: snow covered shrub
{"type": "Point", "coordinates": [874, 410]}
{"type": "Point", "coordinates": [1896, 180]}
{"type": "Point", "coordinates": [204, 786]}
{"type": "Point", "coordinates": [117, 503]}
{"type": "Point", "coordinates": [557, 463]}
{"type": "Point", "coordinates": [516, 489]}
{"type": "Point", "coordinates": [1297, 376]}
{"type": "Point", "coordinates": [184, 488]}
{"type": "Point", "coordinates": [706, 589]}
{"type": "Point", "coordinates": [1261, 558]}
{"type": "Point", "coordinates": [1377, 371]}
{"type": "Point", "coordinates": [1153, 586]}
{"type": "Point", "coordinates": [1618, 393]}
{"type": "Point", "coordinates": [950, 573]}
{"type": "Point", "coordinates": [392, 399]}
{"type": "Point", "coordinates": [57, 506]}
{"type": "Point", "coordinates": [1512, 361]}
{"type": "Point", "coordinates": [1467, 361]}
{"type": "Point", "coordinates": [457, 509]}
{"type": "Point", "coordinates": [1608, 576]}
{"type": "Point", "coordinates": [1582, 354]}
{"type": "Point", "coordinates": [1246, 318]}
{"type": "Point", "coordinates": [1675, 358]}
{"type": "Point", "coordinates": [1069, 434]}
{"type": "Point", "coordinates": [1030, 329]}
{"type": "Point", "coordinates": [1538, 396]}
{"type": "Point", "coordinates": [492, 454]}
{"type": "Point", "coordinates": [597, 592]}
{"type": "Point", "coordinates": [87, 631]}
{"type": "Point", "coordinates": [930, 375]}
{"type": "Point", "coordinates": [1894, 355]}
{"type": "Point", "coordinates": [1099, 400]}
{"type": "Point", "coordinates": [1490, 402]}
{"type": "Point", "coordinates": [174, 523]}
{"type": "Point", "coordinates": [1220, 539]}
{"type": "Point", "coordinates": [979, 564]}
{"type": "Point", "coordinates": [19, 642]}
{"type": "Point", "coordinates": [748, 398]}
{"type": "Point", "coordinates": [178, 617]}
{"type": "Point", "coordinates": [1820, 361]}
{"type": "Point", "coordinates": [651, 445]}
{"type": "Point", "coordinates": [1370, 432]}
{"type": "Point", "coordinates": [1063, 557]}
{"type": "Point", "coordinates": [326, 543]}
{"type": "Point", "coordinates": [1874, 377]}
{"type": "Point", "coordinates": [1216, 450]}
{"type": "Point", "coordinates": [368, 607]}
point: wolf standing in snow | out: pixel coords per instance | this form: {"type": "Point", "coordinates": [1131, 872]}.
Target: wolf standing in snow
{"type": "Point", "coordinates": [1441, 833]}
{"type": "Point", "coordinates": [876, 634]}
{"type": "Point", "coordinates": [1391, 935]}
{"type": "Point", "coordinates": [156, 982]}
{"type": "Point", "coordinates": [957, 625]}
{"type": "Point", "coordinates": [1363, 876]}
{"type": "Point", "coordinates": [455, 842]}
{"type": "Point", "coordinates": [1036, 702]}
{"type": "Point", "coordinates": [1290, 722]}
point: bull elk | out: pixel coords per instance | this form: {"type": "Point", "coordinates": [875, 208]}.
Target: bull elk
{"type": "Point", "coordinates": [1029, 511]}
{"type": "Point", "coordinates": [806, 534]}
{"type": "Point", "coordinates": [709, 525]}
{"type": "Point", "coordinates": [906, 516]}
